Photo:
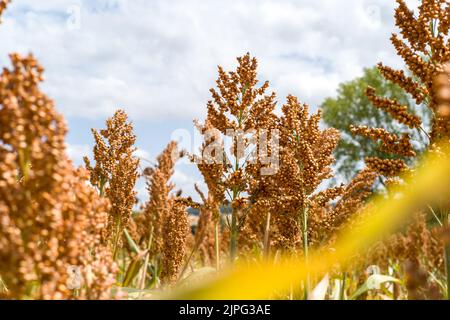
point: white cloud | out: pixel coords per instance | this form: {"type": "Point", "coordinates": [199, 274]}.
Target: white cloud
{"type": "Point", "coordinates": [158, 58]}
{"type": "Point", "coordinates": [142, 154]}
{"type": "Point", "coordinates": [185, 180]}
{"type": "Point", "coordinates": [141, 193]}
{"type": "Point", "coordinates": [77, 152]}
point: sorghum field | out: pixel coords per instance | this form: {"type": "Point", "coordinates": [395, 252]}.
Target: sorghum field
{"type": "Point", "coordinates": [273, 224]}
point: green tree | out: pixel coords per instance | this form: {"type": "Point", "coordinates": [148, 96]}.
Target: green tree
{"type": "Point", "coordinates": [351, 106]}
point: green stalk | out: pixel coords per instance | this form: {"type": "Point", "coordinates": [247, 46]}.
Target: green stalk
{"type": "Point", "coordinates": [147, 257]}
{"type": "Point", "coordinates": [233, 237]}
{"type": "Point", "coordinates": [188, 260]}
{"type": "Point", "coordinates": [216, 244]}
{"type": "Point", "coordinates": [156, 275]}
{"type": "Point", "coordinates": [447, 257]}
{"type": "Point", "coordinates": [342, 291]}
{"type": "Point", "coordinates": [24, 163]}
{"type": "Point", "coordinates": [116, 239]}
{"type": "Point", "coordinates": [234, 217]}
{"type": "Point", "coordinates": [447, 268]}
{"type": "Point", "coordinates": [234, 222]}
{"type": "Point", "coordinates": [101, 186]}
{"type": "Point", "coordinates": [306, 249]}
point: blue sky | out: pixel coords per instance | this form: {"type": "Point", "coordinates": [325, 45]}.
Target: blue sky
{"type": "Point", "coordinates": [157, 59]}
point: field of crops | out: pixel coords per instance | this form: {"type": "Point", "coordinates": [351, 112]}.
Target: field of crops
{"type": "Point", "coordinates": [273, 224]}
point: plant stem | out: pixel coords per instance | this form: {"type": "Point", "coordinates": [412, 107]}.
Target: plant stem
{"type": "Point", "coordinates": [435, 216]}
{"type": "Point", "coordinates": [342, 293]}
{"type": "Point", "coordinates": [233, 236]}
{"type": "Point", "coordinates": [234, 214]}
{"type": "Point", "coordinates": [116, 238]}
{"type": "Point", "coordinates": [188, 260]}
{"type": "Point", "coordinates": [447, 257]}
{"type": "Point", "coordinates": [156, 275]}
{"type": "Point", "coordinates": [102, 186]}
{"type": "Point", "coordinates": [305, 249]}
{"type": "Point", "coordinates": [147, 257]}
{"type": "Point", "coordinates": [3, 287]}
{"type": "Point", "coordinates": [216, 244]}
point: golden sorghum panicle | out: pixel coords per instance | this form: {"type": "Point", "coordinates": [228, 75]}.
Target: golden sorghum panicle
{"type": "Point", "coordinates": [306, 157]}
{"type": "Point", "coordinates": [424, 48]}
{"type": "Point", "coordinates": [115, 171]}
{"type": "Point", "coordinates": [175, 230]}
{"type": "Point", "coordinates": [209, 216]}
{"type": "Point", "coordinates": [164, 217]}
{"type": "Point", "coordinates": [390, 143]}
{"type": "Point", "coordinates": [406, 83]}
{"type": "Point", "coordinates": [160, 202]}
{"type": "Point", "coordinates": [352, 199]}
{"type": "Point", "coordinates": [211, 170]}
{"type": "Point", "coordinates": [238, 106]}
{"type": "Point", "coordinates": [311, 147]}
{"type": "Point", "coordinates": [50, 219]}
{"type": "Point", "coordinates": [396, 110]}
{"type": "Point", "coordinates": [387, 167]}
{"type": "Point", "coordinates": [239, 96]}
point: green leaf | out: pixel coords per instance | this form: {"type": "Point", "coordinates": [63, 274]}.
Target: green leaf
{"type": "Point", "coordinates": [131, 242]}
{"type": "Point", "coordinates": [134, 267]}
{"type": "Point", "coordinates": [374, 282]}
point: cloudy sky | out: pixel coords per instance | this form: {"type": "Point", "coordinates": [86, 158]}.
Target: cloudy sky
{"type": "Point", "coordinates": [157, 59]}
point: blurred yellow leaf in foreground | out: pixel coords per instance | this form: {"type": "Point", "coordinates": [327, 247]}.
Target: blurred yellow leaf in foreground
{"type": "Point", "coordinates": [429, 184]}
